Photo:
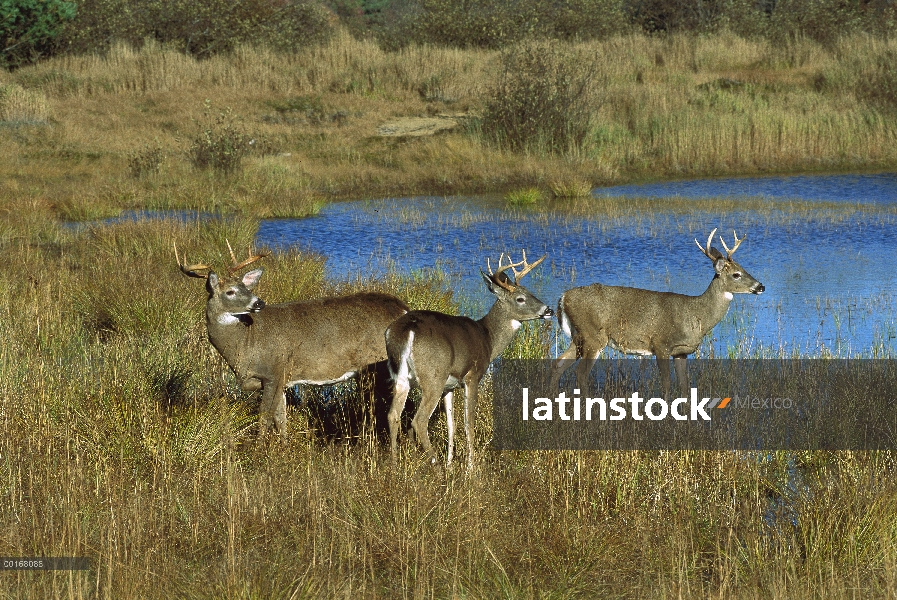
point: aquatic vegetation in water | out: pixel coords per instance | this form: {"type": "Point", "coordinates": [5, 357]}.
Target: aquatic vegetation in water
{"type": "Point", "coordinates": [826, 294]}
{"type": "Point", "coordinates": [525, 197]}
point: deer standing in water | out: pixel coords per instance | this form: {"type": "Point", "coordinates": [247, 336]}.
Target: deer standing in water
{"type": "Point", "coordinates": [644, 322]}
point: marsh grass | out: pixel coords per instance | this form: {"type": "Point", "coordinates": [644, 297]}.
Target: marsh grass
{"type": "Point", "coordinates": [146, 161]}
{"type": "Point", "coordinates": [19, 105]}
{"type": "Point", "coordinates": [650, 213]}
{"type": "Point", "coordinates": [524, 197]}
{"type": "Point", "coordinates": [126, 440]}
{"type": "Point", "coordinates": [570, 188]}
{"type": "Point", "coordinates": [673, 106]}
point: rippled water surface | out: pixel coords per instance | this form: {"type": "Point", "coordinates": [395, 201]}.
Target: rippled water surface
{"type": "Point", "coordinates": [879, 188]}
{"type": "Point", "coordinates": [822, 245]}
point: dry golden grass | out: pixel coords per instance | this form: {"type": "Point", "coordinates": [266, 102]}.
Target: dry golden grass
{"type": "Point", "coordinates": [127, 440]}
{"type": "Point", "coordinates": [680, 106]}
{"type": "Point", "coordinates": [21, 106]}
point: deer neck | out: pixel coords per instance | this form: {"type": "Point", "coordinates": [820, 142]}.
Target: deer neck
{"type": "Point", "coordinates": [715, 300]}
{"type": "Point", "coordinates": [227, 333]}
{"type": "Point", "coordinates": [500, 327]}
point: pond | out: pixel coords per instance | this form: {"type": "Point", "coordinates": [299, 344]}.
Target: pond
{"type": "Point", "coordinates": [821, 245]}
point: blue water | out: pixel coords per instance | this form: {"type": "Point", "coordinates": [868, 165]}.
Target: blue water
{"type": "Point", "coordinates": [878, 188]}
{"type": "Point", "coordinates": [828, 273]}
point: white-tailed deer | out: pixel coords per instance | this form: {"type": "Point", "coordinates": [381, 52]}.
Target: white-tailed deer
{"type": "Point", "coordinates": [636, 321]}
{"type": "Point", "coordinates": [440, 353]}
{"type": "Point", "coordinates": [274, 346]}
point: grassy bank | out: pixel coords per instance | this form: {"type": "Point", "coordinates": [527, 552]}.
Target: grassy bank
{"type": "Point", "coordinates": [90, 135]}
{"type": "Point", "coordinates": [126, 440]}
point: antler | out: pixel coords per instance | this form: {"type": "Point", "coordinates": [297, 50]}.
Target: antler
{"type": "Point", "coordinates": [517, 275]}
{"type": "Point", "coordinates": [729, 253]}
{"type": "Point", "coordinates": [252, 258]}
{"type": "Point", "coordinates": [526, 266]}
{"type": "Point", "coordinates": [495, 276]}
{"type": "Point", "coordinates": [190, 270]}
{"type": "Point", "coordinates": [706, 250]}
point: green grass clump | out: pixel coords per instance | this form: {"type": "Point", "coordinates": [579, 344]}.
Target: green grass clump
{"type": "Point", "coordinates": [84, 209]}
{"type": "Point", "coordinates": [525, 197]}
{"type": "Point", "coordinates": [146, 161]}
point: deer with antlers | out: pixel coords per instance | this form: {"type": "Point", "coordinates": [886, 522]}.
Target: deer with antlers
{"type": "Point", "coordinates": [442, 352]}
{"type": "Point", "coordinates": [271, 347]}
{"type": "Point", "coordinates": [644, 322]}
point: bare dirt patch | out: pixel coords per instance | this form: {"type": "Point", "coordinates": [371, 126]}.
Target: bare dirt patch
{"type": "Point", "coordinates": [419, 126]}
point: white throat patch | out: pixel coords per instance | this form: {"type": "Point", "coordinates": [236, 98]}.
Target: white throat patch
{"type": "Point", "coordinates": [227, 319]}
{"type": "Point", "coordinates": [728, 295]}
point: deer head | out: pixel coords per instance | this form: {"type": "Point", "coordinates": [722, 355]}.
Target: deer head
{"type": "Point", "coordinates": [230, 297]}
{"type": "Point", "coordinates": [511, 294]}
{"type": "Point", "coordinates": [734, 278]}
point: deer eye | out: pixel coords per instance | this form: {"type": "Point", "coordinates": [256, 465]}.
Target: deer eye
{"type": "Point", "coordinates": [736, 275]}
{"type": "Point", "coordinates": [230, 293]}
{"type": "Point", "coordinates": [521, 300]}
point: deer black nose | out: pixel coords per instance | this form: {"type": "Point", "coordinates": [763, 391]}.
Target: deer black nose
{"type": "Point", "coordinates": [548, 313]}
{"type": "Point", "coordinates": [258, 305]}
{"type": "Point", "coordinates": [759, 289]}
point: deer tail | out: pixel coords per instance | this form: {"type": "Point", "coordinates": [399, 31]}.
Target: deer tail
{"type": "Point", "coordinates": [563, 319]}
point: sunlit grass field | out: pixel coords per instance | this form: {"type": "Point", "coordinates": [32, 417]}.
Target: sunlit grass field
{"type": "Point", "coordinates": [127, 440]}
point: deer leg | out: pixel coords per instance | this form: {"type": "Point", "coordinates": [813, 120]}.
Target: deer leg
{"type": "Point", "coordinates": [266, 410]}
{"type": "Point", "coordinates": [681, 373]}
{"type": "Point", "coordinates": [431, 393]}
{"type": "Point", "coordinates": [563, 362]}
{"type": "Point", "coordinates": [400, 395]}
{"type": "Point", "coordinates": [382, 398]}
{"type": "Point", "coordinates": [450, 426]}
{"type": "Point", "coordinates": [280, 410]}
{"type": "Point", "coordinates": [470, 414]}
{"type": "Point", "coordinates": [584, 368]}
{"type": "Point", "coordinates": [663, 363]}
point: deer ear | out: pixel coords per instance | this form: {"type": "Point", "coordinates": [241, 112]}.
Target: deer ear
{"type": "Point", "coordinates": [489, 283]}
{"type": "Point", "coordinates": [212, 283]}
{"type": "Point", "coordinates": [719, 265]}
{"type": "Point", "coordinates": [251, 278]}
